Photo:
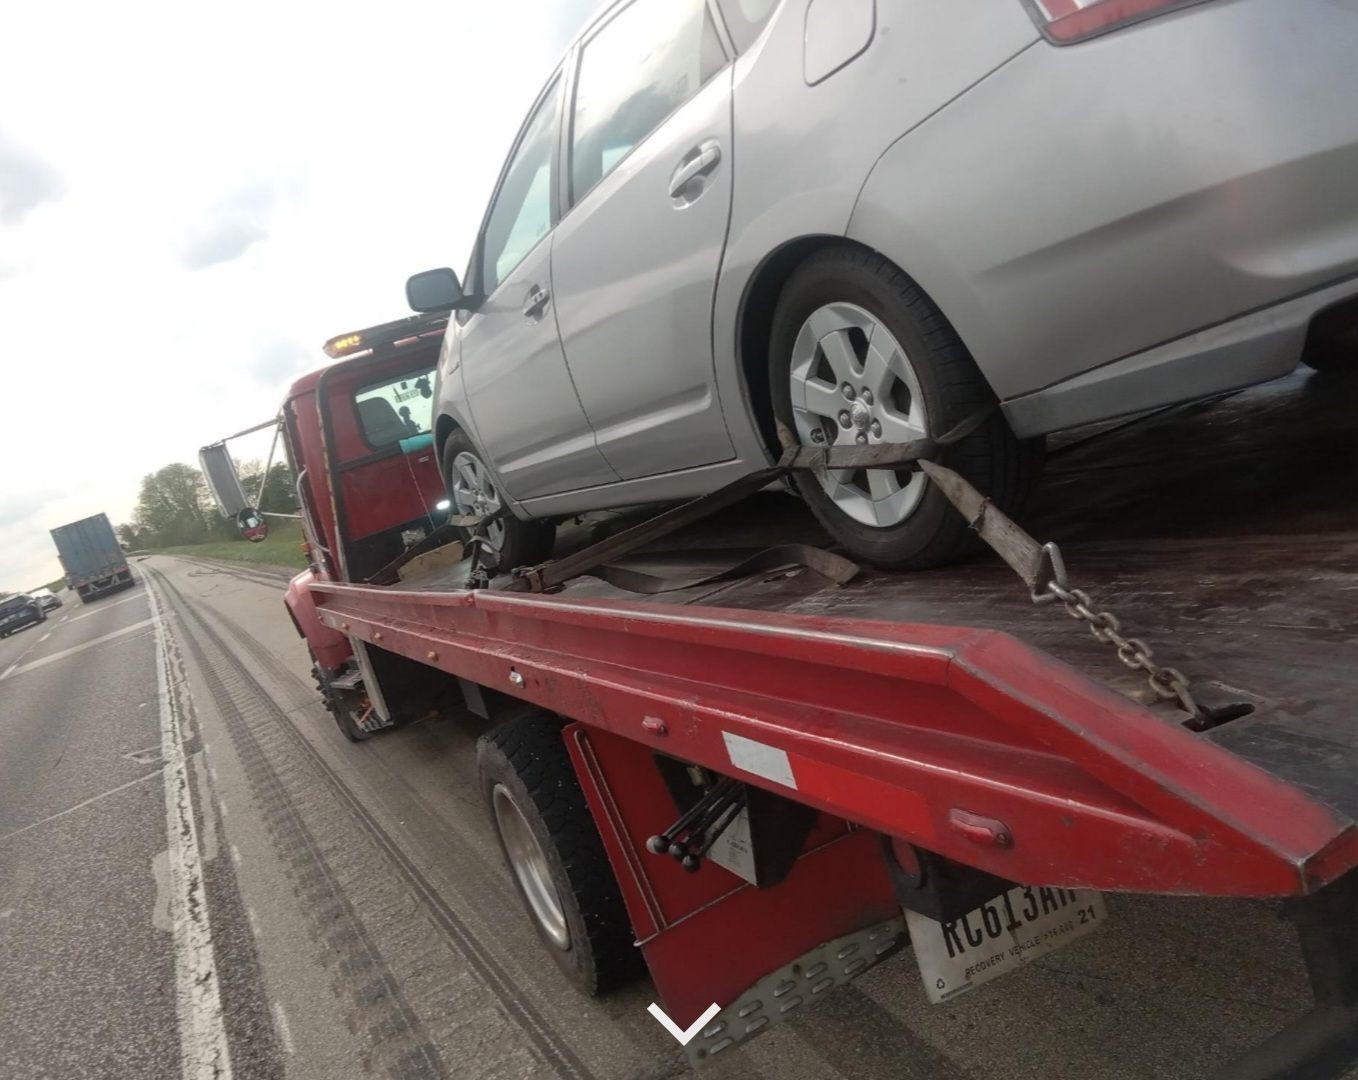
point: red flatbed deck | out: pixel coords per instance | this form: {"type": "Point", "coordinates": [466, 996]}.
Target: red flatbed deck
{"type": "Point", "coordinates": [1224, 534]}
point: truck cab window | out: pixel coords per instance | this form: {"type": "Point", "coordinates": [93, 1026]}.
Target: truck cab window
{"type": "Point", "coordinates": [398, 409]}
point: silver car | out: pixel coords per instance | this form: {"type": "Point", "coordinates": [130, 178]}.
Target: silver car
{"type": "Point", "coordinates": [727, 223]}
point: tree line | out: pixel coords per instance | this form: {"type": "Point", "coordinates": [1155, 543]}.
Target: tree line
{"type": "Point", "coordinates": [175, 507]}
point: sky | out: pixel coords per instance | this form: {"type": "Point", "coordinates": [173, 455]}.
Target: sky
{"type": "Point", "coordinates": [194, 198]}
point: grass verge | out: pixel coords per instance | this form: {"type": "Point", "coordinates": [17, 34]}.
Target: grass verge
{"type": "Point", "coordinates": [282, 547]}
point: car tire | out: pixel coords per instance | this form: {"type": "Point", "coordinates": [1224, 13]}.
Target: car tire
{"type": "Point", "coordinates": [554, 852]}
{"type": "Point", "coordinates": [472, 490]}
{"type": "Point", "coordinates": [931, 385]}
{"type": "Point", "coordinates": [337, 705]}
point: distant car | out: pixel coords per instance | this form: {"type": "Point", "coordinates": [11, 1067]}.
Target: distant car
{"type": "Point", "coordinates": [856, 222]}
{"type": "Point", "coordinates": [46, 598]}
{"type": "Point", "coordinates": [19, 612]}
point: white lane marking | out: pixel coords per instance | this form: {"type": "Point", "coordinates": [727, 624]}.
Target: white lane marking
{"type": "Point", "coordinates": [80, 805]}
{"type": "Point", "coordinates": [101, 609]}
{"type": "Point", "coordinates": [204, 1053]}
{"type": "Point", "coordinates": [235, 855]}
{"type": "Point", "coordinates": [211, 844]}
{"type": "Point", "coordinates": [44, 637]}
{"type": "Point", "coordinates": [284, 1032]}
{"type": "Point", "coordinates": [760, 759]}
{"type": "Point", "coordinates": [44, 661]}
{"type": "Point", "coordinates": [63, 618]}
{"type": "Point", "coordinates": [250, 918]}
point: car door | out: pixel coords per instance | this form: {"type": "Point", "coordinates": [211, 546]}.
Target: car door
{"type": "Point", "coordinates": [636, 257]}
{"type": "Point", "coordinates": [527, 417]}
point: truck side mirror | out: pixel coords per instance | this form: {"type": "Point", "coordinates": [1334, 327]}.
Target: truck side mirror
{"type": "Point", "coordinates": [252, 525]}
{"type": "Point", "coordinates": [434, 290]}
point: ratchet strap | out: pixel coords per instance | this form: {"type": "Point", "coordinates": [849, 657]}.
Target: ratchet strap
{"type": "Point", "coordinates": [592, 559]}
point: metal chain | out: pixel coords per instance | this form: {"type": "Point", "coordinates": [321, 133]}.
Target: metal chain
{"type": "Point", "coordinates": [1169, 684]}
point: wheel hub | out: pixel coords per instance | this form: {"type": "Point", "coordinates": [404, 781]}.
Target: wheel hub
{"type": "Point", "coordinates": [473, 493]}
{"type": "Point", "coordinates": [852, 384]}
{"type": "Point", "coordinates": [530, 866]}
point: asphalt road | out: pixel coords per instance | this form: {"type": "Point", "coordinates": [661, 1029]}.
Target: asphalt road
{"type": "Point", "coordinates": [200, 877]}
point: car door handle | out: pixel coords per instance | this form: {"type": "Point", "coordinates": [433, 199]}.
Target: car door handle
{"type": "Point", "coordinates": [699, 162]}
{"type": "Point", "coordinates": [536, 303]}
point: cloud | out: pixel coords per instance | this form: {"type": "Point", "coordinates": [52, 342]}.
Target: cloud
{"type": "Point", "coordinates": [229, 229]}
{"type": "Point", "coordinates": [569, 16]}
{"type": "Point", "coordinates": [18, 508]}
{"type": "Point", "coordinates": [279, 359]}
{"type": "Point", "coordinates": [26, 182]}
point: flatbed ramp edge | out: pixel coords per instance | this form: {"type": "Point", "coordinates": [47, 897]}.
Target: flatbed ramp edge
{"type": "Point", "coordinates": [943, 710]}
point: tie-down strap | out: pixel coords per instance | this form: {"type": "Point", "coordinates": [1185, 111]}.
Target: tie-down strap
{"type": "Point", "coordinates": [795, 458]}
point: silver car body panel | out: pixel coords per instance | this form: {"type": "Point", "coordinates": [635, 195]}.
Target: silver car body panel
{"type": "Point", "coordinates": [1252, 349]}
{"type": "Point", "coordinates": [528, 418]}
{"type": "Point", "coordinates": [923, 54]}
{"type": "Point", "coordinates": [1086, 203]}
{"type": "Point", "coordinates": [1147, 217]}
{"type": "Point", "coordinates": [633, 272]}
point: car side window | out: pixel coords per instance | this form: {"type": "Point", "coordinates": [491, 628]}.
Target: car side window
{"type": "Point", "coordinates": [745, 19]}
{"type": "Point", "coordinates": [647, 60]}
{"type": "Point", "coordinates": [522, 212]}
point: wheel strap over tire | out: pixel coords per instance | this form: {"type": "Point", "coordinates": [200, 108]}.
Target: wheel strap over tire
{"type": "Point", "coordinates": [795, 458]}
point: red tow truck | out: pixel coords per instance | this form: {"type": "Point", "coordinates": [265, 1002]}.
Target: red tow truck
{"type": "Point", "coordinates": [769, 773]}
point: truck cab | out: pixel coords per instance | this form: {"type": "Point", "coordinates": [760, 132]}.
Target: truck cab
{"type": "Point", "coordinates": [358, 437]}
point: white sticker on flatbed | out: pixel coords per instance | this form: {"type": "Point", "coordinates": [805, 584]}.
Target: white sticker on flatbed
{"type": "Point", "coordinates": [999, 936]}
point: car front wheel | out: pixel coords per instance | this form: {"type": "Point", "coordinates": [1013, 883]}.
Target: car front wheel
{"type": "Point", "coordinates": [859, 357]}
{"type": "Point", "coordinates": [472, 491]}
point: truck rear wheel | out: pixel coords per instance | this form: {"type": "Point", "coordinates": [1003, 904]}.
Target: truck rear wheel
{"type": "Point", "coordinates": [554, 851]}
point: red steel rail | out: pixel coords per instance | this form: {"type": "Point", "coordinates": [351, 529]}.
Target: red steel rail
{"type": "Point", "coordinates": [966, 742]}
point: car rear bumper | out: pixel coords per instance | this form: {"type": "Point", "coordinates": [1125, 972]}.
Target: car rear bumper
{"type": "Point", "coordinates": [1085, 204]}
{"type": "Point", "coordinates": [1254, 348]}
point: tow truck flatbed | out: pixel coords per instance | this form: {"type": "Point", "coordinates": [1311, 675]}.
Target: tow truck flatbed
{"type": "Point", "coordinates": [921, 741]}
{"type": "Point", "coordinates": [1226, 533]}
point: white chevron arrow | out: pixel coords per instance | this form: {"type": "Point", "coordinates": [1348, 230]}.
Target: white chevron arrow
{"type": "Point", "coordinates": [683, 1036]}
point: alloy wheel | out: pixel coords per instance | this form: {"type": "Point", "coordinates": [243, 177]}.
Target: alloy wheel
{"type": "Point", "coordinates": [853, 385]}
{"type": "Point", "coordinates": [473, 493]}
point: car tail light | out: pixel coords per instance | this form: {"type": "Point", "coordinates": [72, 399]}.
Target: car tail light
{"type": "Point", "coordinates": [1067, 21]}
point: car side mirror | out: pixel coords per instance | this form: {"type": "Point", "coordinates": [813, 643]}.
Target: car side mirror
{"type": "Point", "coordinates": [434, 290]}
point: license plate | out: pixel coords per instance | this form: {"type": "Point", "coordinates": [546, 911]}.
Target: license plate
{"type": "Point", "coordinates": [1000, 936]}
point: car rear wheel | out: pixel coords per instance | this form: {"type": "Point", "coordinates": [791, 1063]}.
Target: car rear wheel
{"type": "Point", "coordinates": [472, 491]}
{"type": "Point", "coordinates": [554, 851]}
{"type": "Point", "coordinates": [859, 357]}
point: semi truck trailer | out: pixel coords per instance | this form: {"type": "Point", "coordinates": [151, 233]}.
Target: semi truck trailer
{"type": "Point", "coordinates": [91, 557]}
